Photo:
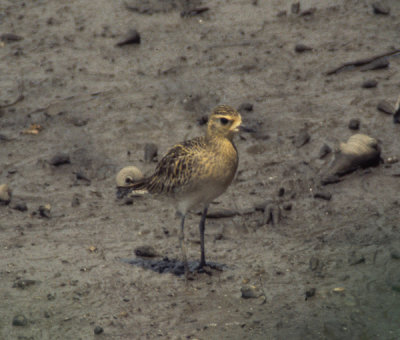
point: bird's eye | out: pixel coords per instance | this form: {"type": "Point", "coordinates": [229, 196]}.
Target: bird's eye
{"type": "Point", "coordinates": [224, 121]}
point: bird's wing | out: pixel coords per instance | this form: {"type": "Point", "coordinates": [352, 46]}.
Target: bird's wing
{"type": "Point", "coordinates": [177, 167]}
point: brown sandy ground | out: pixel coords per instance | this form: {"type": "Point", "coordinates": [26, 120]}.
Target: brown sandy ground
{"type": "Point", "coordinates": [100, 104]}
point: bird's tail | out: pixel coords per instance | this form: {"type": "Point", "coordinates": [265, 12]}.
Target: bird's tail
{"type": "Point", "coordinates": [136, 188]}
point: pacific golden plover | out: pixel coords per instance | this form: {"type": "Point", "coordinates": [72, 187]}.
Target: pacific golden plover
{"type": "Point", "coordinates": [196, 171]}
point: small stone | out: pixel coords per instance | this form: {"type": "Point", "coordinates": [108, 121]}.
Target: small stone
{"type": "Point", "coordinates": [392, 160]}
{"type": "Point", "coordinates": [60, 159]}
{"type": "Point", "coordinates": [75, 201]}
{"type": "Point", "coordinates": [325, 150]}
{"type": "Point", "coordinates": [23, 283]}
{"type": "Point", "coordinates": [19, 320]}
{"type": "Point", "coordinates": [295, 8]}
{"type": "Point", "coordinates": [300, 48]}
{"type": "Point", "coordinates": [323, 195]}
{"type": "Point", "coordinates": [330, 179]}
{"type": "Point", "coordinates": [376, 65]}
{"type": "Point", "coordinates": [314, 263]}
{"type": "Point", "coordinates": [369, 84]}
{"type": "Point", "coordinates": [10, 37]}
{"type": "Point", "coordinates": [385, 107]}
{"type": "Point", "coordinates": [354, 124]}
{"type": "Point", "coordinates": [245, 107]}
{"type": "Point", "coordinates": [150, 152]}
{"type": "Point", "coordinates": [145, 251]}
{"type": "Point", "coordinates": [287, 206]}
{"type": "Point", "coordinates": [250, 292]}
{"type": "Point", "coordinates": [309, 293]}
{"type": "Point", "coordinates": [395, 254]}
{"type": "Point", "coordinates": [355, 259]}
{"type": "Point", "coordinates": [380, 8]}
{"type": "Point", "coordinates": [51, 297]}
{"type": "Point", "coordinates": [98, 330]}
{"type": "Point", "coordinates": [44, 210]}
{"type": "Point", "coordinates": [302, 139]}
{"type": "Point", "coordinates": [5, 194]}
{"type": "Point", "coordinates": [18, 205]}
{"type": "Point", "coordinates": [133, 37]}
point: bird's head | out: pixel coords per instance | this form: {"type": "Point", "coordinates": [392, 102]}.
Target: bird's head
{"type": "Point", "coordinates": [224, 122]}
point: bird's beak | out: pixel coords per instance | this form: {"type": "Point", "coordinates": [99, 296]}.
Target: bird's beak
{"type": "Point", "coordinates": [244, 128]}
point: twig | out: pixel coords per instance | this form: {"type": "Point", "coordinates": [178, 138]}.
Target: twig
{"type": "Point", "coordinates": [361, 62]}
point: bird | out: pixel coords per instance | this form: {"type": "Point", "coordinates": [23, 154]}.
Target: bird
{"type": "Point", "coordinates": [195, 172]}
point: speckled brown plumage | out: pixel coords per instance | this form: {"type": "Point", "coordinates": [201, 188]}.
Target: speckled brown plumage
{"type": "Point", "coordinates": [196, 171]}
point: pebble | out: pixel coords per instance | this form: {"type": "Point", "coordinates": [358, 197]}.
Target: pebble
{"type": "Point", "coordinates": [23, 283]}
{"type": "Point", "coordinates": [19, 320]}
{"type": "Point", "coordinates": [10, 37]}
{"type": "Point", "coordinates": [300, 48]}
{"type": "Point", "coordinates": [395, 254]}
{"type": "Point", "coordinates": [314, 263]}
{"type": "Point", "coordinates": [44, 210]}
{"type": "Point", "coordinates": [380, 8]}
{"type": "Point", "coordinates": [60, 159]}
{"type": "Point", "coordinates": [250, 292]}
{"type": "Point", "coordinates": [98, 330]}
{"type": "Point", "coordinates": [133, 37]}
{"type": "Point", "coordinates": [5, 194]}
{"type": "Point", "coordinates": [323, 195]}
{"type": "Point", "coordinates": [295, 8]}
{"type": "Point", "coordinates": [369, 84]}
{"type": "Point", "coordinates": [325, 150]}
{"type": "Point", "coordinates": [150, 152]}
{"type": "Point", "coordinates": [75, 201]}
{"type": "Point", "coordinates": [145, 251]}
{"type": "Point", "coordinates": [354, 124]}
{"type": "Point", "coordinates": [18, 205]}
{"type": "Point", "coordinates": [287, 206]}
{"type": "Point", "coordinates": [376, 65]}
{"type": "Point", "coordinates": [302, 138]}
{"type": "Point", "coordinates": [245, 107]}
{"type": "Point", "coordinates": [355, 259]}
{"type": "Point", "coordinates": [385, 107]}
{"type": "Point", "coordinates": [309, 293]}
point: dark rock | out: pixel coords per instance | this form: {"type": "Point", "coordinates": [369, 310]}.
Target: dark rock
{"type": "Point", "coordinates": [314, 263]}
{"type": "Point", "coordinates": [325, 150]}
{"type": "Point", "coordinates": [354, 124]}
{"type": "Point", "coordinates": [295, 8]}
{"type": "Point", "coordinates": [281, 192]}
{"type": "Point", "coordinates": [376, 65]}
{"type": "Point", "coordinates": [395, 254]}
{"type": "Point", "coordinates": [245, 107]}
{"type": "Point", "coordinates": [10, 37]}
{"type": "Point", "coordinates": [300, 48]}
{"type": "Point", "coordinates": [145, 251]}
{"type": "Point", "coordinates": [150, 152]}
{"type": "Point", "coordinates": [380, 8]}
{"type": "Point", "coordinates": [396, 116]}
{"type": "Point", "coordinates": [309, 293]}
{"type": "Point", "coordinates": [51, 297]}
{"type": "Point", "coordinates": [250, 292]}
{"type": "Point", "coordinates": [23, 283]}
{"type": "Point", "coordinates": [385, 107]}
{"type": "Point", "coordinates": [194, 11]}
{"type": "Point", "coordinates": [60, 159]}
{"type": "Point", "coordinates": [302, 138]}
{"type": "Point", "coordinates": [44, 211]}
{"type": "Point", "coordinates": [75, 201]}
{"type": "Point", "coordinates": [98, 330]}
{"type": "Point", "coordinates": [19, 205]}
{"type": "Point", "coordinates": [133, 37]}
{"type": "Point", "coordinates": [203, 120]}
{"type": "Point", "coordinates": [355, 259]}
{"type": "Point", "coordinates": [369, 84]}
{"type": "Point", "coordinates": [287, 206]}
{"type": "Point", "coordinates": [19, 320]}
{"type": "Point", "coordinates": [323, 195]}
{"type": "Point", "coordinates": [309, 11]}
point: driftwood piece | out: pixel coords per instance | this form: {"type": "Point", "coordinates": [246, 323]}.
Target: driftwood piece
{"type": "Point", "coordinates": [361, 62]}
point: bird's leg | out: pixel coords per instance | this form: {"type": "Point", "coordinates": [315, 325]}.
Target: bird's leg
{"type": "Point", "coordinates": [202, 226]}
{"type": "Point", "coordinates": [182, 244]}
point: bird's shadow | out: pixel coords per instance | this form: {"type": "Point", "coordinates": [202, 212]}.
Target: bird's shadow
{"type": "Point", "coordinates": [173, 266]}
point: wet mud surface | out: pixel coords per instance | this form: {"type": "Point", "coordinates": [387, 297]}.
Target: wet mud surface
{"type": "Point", "coordinates": [85, 86]}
